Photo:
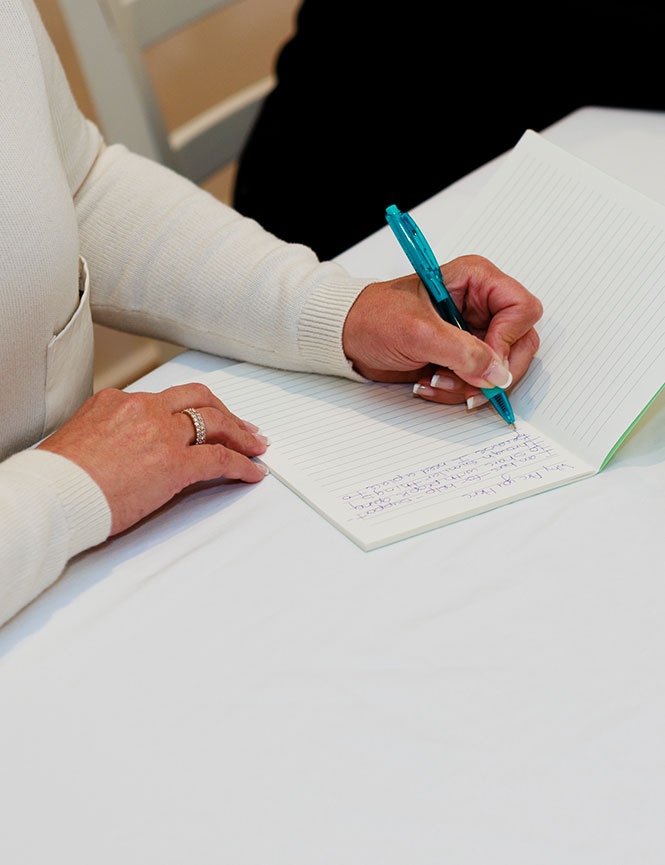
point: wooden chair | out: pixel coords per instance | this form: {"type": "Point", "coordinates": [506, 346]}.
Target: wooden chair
{"type": "Point", "coordinates": [109, 37]}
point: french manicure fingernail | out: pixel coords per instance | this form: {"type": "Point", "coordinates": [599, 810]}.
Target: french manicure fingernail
{"type": "Point", "coordinates": [423, 390]}
{"type": "Point", "coordinates": [444, 382]}
{"type": "Point", "coordinates": [475, 401]}
{"type": "Point", "coordinates": [497, 375]}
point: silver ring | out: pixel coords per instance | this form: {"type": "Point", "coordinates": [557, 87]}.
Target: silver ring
{"type": "Point", "coordinates": [199, 426]}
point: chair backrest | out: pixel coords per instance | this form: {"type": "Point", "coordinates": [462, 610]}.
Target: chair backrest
{"type": "Point", "coordinates": [109, 37]}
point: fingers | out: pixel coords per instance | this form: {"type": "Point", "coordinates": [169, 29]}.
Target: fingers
{"type": "Point", "coordinates": [470, 358]}
{"type": "Point", "coordinates": [192, 395]}
{"type": "Point", "coordinates": [393, 332]}
{"type": "Point", "coordinates": [137, 447]}
{"type": "Point", "coordinates": [483, 292]}
{"type": "Point", "coordinates": [222, 427]}
{"type": "Point", "coordinates": [447, 388]}
{"type": "Point", "coordinates": [444, 387]}
{"type": "Point", "coordinates": [522, 353]}
{"type": "Point", "coordinates": [209, 462]}
{"type": "Point", "coordinates": [502, 313]}
{"type": "Point", "coordinates": [197, 395]}
{"type": "Point", "coordinates": [229, 440]}
{"type": "Point", "coordinates": [495, 305]}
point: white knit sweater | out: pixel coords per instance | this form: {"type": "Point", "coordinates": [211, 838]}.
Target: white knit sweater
{"type": "Point", "coordinates": [165, 260]}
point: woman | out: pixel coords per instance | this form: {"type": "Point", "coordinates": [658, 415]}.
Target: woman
{"type": "Point", "coordinates": [93, 231]}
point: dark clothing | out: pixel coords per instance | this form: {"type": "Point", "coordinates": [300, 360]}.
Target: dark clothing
{"type": "Point", "coordinates": [389, 103]}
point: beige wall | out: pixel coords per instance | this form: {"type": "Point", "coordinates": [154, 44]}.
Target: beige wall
{"type": "Point", "coordinates": [190, 71]}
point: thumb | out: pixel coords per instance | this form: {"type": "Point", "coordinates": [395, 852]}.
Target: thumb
{"type": "Point", "coordinates": [469, 357]}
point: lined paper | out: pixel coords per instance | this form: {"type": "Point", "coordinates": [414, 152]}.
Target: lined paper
{"type": "Point", "coordinates": [381, 464]}
{"type": "Point", "coordinates": [593, 250]}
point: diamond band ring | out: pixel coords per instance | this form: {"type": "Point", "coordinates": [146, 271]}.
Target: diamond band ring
{"type": "Point", "coordinates": [199, 426]}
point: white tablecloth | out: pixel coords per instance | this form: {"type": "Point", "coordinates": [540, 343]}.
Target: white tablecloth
{"type": "Point", "coordinates": [233, 681]}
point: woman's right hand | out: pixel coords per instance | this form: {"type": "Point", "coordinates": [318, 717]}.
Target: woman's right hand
{"type": "Point", "coordinates": [138, 447]}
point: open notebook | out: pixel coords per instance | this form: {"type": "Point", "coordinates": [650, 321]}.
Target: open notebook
{"type": "Point", "coordinates": [382, 465]}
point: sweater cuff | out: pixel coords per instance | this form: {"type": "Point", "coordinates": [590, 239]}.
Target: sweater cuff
{"type": "Point", "coordinates": [80, 505]}
{"type": "Point", "coordinates": [322, 322]}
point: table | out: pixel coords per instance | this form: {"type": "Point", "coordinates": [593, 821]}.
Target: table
{"type": "Point", "coordinates": [233, 681]}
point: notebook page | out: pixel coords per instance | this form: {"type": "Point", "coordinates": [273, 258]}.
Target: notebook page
{"type": "Point", "coordinates": [382, 465]}
{"type": "Point", "coordinates": [593, 251]}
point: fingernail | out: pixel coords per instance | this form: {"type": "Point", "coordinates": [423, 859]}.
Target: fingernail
{"type": "Point", "coordinates": [475, 401]}
{"type": "Point", "coordinates": [263, 468]}
{"type": "Point", "coordinates": [250, 426]}
{"type": "Point", "coordinates": [423, 390]}
{"type": "Point", "coordinates": [497, 375]}
{"type": "Point", "coordinates": [261, 438]}
{"type": "Point", "coordinates": [444, 382]}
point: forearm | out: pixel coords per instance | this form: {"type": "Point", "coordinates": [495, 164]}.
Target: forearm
{"type": "Point", "coordinates": [169, 260]}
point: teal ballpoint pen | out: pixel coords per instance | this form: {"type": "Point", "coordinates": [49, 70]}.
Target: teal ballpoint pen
{"type": "Point", "coordinates": [422, 259]}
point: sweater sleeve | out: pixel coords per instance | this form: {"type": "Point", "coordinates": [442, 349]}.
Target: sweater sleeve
{"type": "Point", "coordinates": [50, 510]}
{"type": "Point", "coordinates": [169, 260]}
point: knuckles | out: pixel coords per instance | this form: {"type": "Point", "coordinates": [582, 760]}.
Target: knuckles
{"type": "Point", "coordinates": [109, 396]}
{"type": "Point", "coordinates": [471, 265]}
{"type": "Point", "coordinates": [477, 262]}
{"type": "Point", "coordinates": [200, 392]}
{"type": "Point", "coordinates": [532, 340]}
{"type": "Point", "coordinates": [108, 403]}
{"type": "Point", "coordinates": [137, 412]}
{"type": "Point", "coordinates": [223, 460]}
{"type": "Point", "coordinates": [534, 307]}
